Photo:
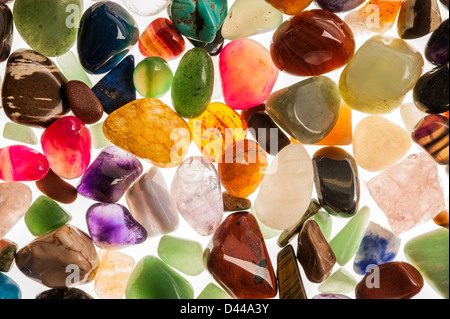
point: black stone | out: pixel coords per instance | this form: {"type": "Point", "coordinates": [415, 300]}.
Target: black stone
{"type": "Point", "coordinates": [437, 47]}
{"type": "Point", "coordinates": [6, 31]}
{"type": "Point", "coordinates": [64, 293]}
{"type": "Point", "coordinates": [431, 93]}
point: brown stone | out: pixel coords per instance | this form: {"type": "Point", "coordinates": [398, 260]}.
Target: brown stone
{"type": "Point", "coordinates": [290, 283]}
{"type": "Point", "coordinates": [83, 102]}
{"type": "Point", "coordinates": [233, 204]}
{"type": "Point", "coordinates": [8, 251]}
{"type": "Point", "coordinates": [56, 188]}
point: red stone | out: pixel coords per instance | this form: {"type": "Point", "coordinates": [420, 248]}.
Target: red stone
{"type": "Point", "coordinates": [312, 43]}
{"type": "Point", "coordinates": [237, 258]}
{"type": "Point", "coordinates": [20, 163]}
{"type": "Point", "coordinates": [397, 280]}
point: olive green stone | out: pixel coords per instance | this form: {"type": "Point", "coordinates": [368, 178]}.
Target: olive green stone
{"type": "Point", "coordinates": [193, 83]}
{"type": "Point", "coordinates": [182, 254]}
{"type": "Point", "coordinates": [152, 77]}
{"type": "Point", "coordinates": [325, 222]}
{"type": "Point", "coordinates": [45, 215]}
{"type": "Point", "coordinates": [429, 253]}
{"type": "Point", "coordinates": [49, 27]}
{"type": "Point", "coordinates": [212, 291]}
{"type": "Point", "coordinates": [154, 279]}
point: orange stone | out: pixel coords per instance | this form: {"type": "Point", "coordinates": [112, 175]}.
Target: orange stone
{"type": "Point", "coordinates": [290, 7]}
{"type": "Point", "coordinates": [442, 219]}
{"type": "Point", "coordinates": [342, 133]}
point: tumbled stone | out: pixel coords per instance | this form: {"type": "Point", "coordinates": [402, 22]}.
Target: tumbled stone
{"type": "Point", "coordinates": [99, 139]}
{"type": "Point", "coordinates": [213, 48]}
{"type": "Point", "coordinates": [290, 7]}
{"type": "Point", "coordinates": [64, 294]}
{"type": "Point", "coordinates": [378, 143]}
{"type": "Point", "coordinates": [237, 258]}
{"type": "Point", "coordinates": [57, 189]}
{"type": "Point", "coordinates": [61, 258]}
{"type": "Point", "coordinates": [233, 204]}
{"type": "Point", "coordinates": [182, 254]}
{"type": "Point", "coordinates": [151, 205]}
{"type": "Point", "coordinates": [15, 199]}
{"type": "Point", "coordinates": [409, 193]}
{"type": "Point", "coordinates": [430, 255]}
{"type": "Point", "coordinates": [20, 163]}
{"type": "Point", "coordinates": [6, 34]}
{"type": "Point", "coordinates": [8, 250]}
{"type": "Point", "coordinates": [325, 223]}
{"type": "Point", "coordinates": [342, 132]}
{"type": "Point", "coordinates": [154, 279]}
{"type": "Point", "coordinates": [339, 282]}
{"type": "Point", "coordinates": [330, 296]}
{"type": "Point", "coordinates": [339, 5]}
{"type": "Point", "coordinates": [83, 102]}
{"type": "Point", "coordinates": [290, 283]}
{"type": "Point", "coordinates": [19, 133]}
{"type": "Point", "coordinates": [411, 115]}
{"type": "Point", "coordinates": [395, 280]}
{"type": "Point", "coordinates": [431, 92]}
{"type": "Point", "coordinates": [437, 49]}
{"type": "Point", "coordinates": [72, 68]}
{"type": "Point", "coordinates": [418, 18]}
{"type": "Point", "coordinates": [9, 289]}
{"type": "Point", "coordinates": [266, 231]}
{"type": "Point", "coordinates": [211, 291]}
{"type": "Point", "coordinates": [164, 135]}
{"type": "Point", "coordinates": [442, 219]}
{"type": "Point", "coordinates": [144, 8]}
{"type": "Point", "coordinates": [153, 77]}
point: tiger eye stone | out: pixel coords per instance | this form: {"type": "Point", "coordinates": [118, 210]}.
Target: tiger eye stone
{"type": "Point", "coordinates": [290, 282]}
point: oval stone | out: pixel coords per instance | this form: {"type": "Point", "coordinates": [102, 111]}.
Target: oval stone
{"type": "Point", "coordinates": [83, 102]}
{"type": "Point", "coordinates": [15, 199]}
{"type": "Point", "coordinates": [57, 189]}
{"type": "Point", "coordinates": [431, 92]}
{"type": "Point", "coordinates": [6, 31]}
{"type": "Point", "coordinates": [20, 163]}
{"type": "Point", "coordinates": [437, 47]}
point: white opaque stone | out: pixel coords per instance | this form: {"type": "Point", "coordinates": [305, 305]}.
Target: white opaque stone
{"type": "Point", "coordinates": [146, 7]}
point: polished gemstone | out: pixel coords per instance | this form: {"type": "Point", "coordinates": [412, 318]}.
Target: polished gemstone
{"type": "Point", "coordinates": [431, 133]}
{"type": "Point", "coordinates": [339, 5]}
{"type": "Point", "coordinates": [342, 132]}
{"type": "Point", "coordinates": [83, 103]}
{"type": "Point", "coordinates": [330, 296]}
{"type": "Point", "coordinates": [8, 250]}
{"type": "Point", "coordinates": [442, 219]}
{"type": "Point", "coordinates": [325, 222]}
{"type": "Point", "coordinates": [6, 32]}
{"type": "Point", "coordinates": [233, 204]}
{"type": "Point", "coordinates": [212, 291]}
{"type": "Point", "coordinates": [411, 115]}
{"type": "Point", "coordinates": [20, 163]}
{"type": "Point", "coordinates": [247, 113]}
{"type": "Point", "coordinates": [153, 77]}
{"type": "Point", "coordinates": [267, 232]}
{"type": "Point", "coordinates": [431, 92]}
{"type": "Point", "coordinates": [19, 133]}
{"type": "Point", "coordinates": [9, 289]}
{"type": "Point", "coordinates": [15, 199]}
{"type": "Point", "coordinates": [99, 139]}
{"type": "Point", "coordinates": [72, 68]}
{"type": "Point", "coordinates": [144, 8]}
{"type": "Point", "coordinates": [437, 49]}
{"type": "Point", "coordinates": [339, 282]}
{"type": "Point", "coordinates": [214, 48]}
{"type": "Point", "coordinates": [57, 189]}
{"type": "Point", "coordinates": [290, 7]}
{"type": "Point", "coordinates": [418, 18]}
{"type": "Point", "coordinates": [64, 294]}
{"type": "Point", "coordinates": [290, 283]}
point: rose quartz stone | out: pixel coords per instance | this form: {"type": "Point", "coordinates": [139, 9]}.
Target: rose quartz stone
{"type": "Point", "coordinates": [247, 72]}
{"type": "Point", "coordinates": [409, 193]}
{"type": "Point", "coordinates": [19, 163]}
{"type": "Point", "coordinates": [15, 199]}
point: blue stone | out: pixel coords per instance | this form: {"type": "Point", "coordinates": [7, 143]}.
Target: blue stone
{"type": "Point", "coordinates": [199, 20]}
{"type": "Point", "coordinates": [9, 288]}
{"type": "Point", "coordinates": [116, 88]}
{"type": "Point", "coordinates": [107, 33]}
{"type": "Point", "coordinates": [378, 246]}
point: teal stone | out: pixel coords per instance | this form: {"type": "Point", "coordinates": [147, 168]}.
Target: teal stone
{"type": "Point", "coordinates": [325, 223]}
{"type": "Point", "coordinates": [19, 133]}
{"type": "Point", "coordinates": [9, 289]}
{"type": "Point", "coordinates": [49, 27]}
{"type": "Point", "coordinates": [199, 20]}
{"type": "Point", "coordinates": [193, 83]}
{"type": "Point", "coordinates": [72, 69]}
{"type": "Point", "coordinates": [212, 291]}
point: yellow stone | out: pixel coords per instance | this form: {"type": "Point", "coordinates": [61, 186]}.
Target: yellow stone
{"type": "Point", "coordinates": [151, 130]}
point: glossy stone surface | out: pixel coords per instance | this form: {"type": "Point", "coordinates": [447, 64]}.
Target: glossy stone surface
{"type": "Point", "coordinates": [431, 92]}
{"type": "Point", "coordinates": [307, 110]}
{"type": "Point", "coordinates": [378, 246]}
{"type": "Point", "coordinates": [315, 33]}
{"type": "Point", "coordinates": [15, 199]}
{"type": "Point", "coordinates": [151, 205]}
{"type": "Point", "coordinates": [214, 48]}
{"type": "Point", "coordinates": [342, 132]}
{"type": "Point", "coordinates": [57, 189]}
{"type": "Point", "coordinates": [325, 222]}
{"type": "Point", "coordinates": [233, 204]}
{"type": "Point", "coordinates": [107, 33]}
{"type": "Point", "coordinates": [378, 143]}
{"type": "Point", "coordinates": [182, 254]}
{"type": "Point", "coordinates": [193, 83]}
{"type": "Point", "coordinates": [442, 219]}
{"type": "Point", "coordinates": [418, 18]}
{"type": "Point", "coordinates": [375, 85]}
{"type": "Point", "coordinates": [198, 20]}
{"type": "Point", "coordinates": [165, 136]}
{"type": "Point", "coordinates": [409, 193]}
{"type": "Point", "coordinates": [196, 190]}
{"type": "Point", "coordinates": [9, 289]}
{"type": "Point", "coordinates": [112, 226]}
{"type": "Point", "coordinates": [6, 33]}
{"type": "Point", "coordinates": [19, 133]}
{"type": "Point", "coordinates": [429, 254]}
{"type": "Point", "coordinates": [31, 91]}
{"type": "Point", "coordinates": [246, 56]}
{"type": "Point", "coordinates": [290, 283]}
{"type": "Point", "coordinates": [437, 49]}
{"type": "Point", "coordinates": [267, 133]}
{"type": "Point", "coordinates": [339, 5]}
{"type": "Point", "coordinates": [8, 250]}
{"type": "Point", "coordinates": [411, 115]}
{"type": "Point", "coordinates": [67, 146]}
{"type": "Point", "coordinates": [237, 258]}
{"type": "Point", "coordinates": [346, 242]}
{"type": "Point", "coordinates": [154, 279]}
{"type": "Point", "coordinates": [116, 88]}
{"type": "Point", "coordinates": [58, 34]}
{"type": "Point", "coordinates": [153, 77]}
{"type": "Point", "coordinates": [337, 181]}
{"type": "Point", "coordinates": [339, 282]}
{"type": "Point", "coordinates": [51, 259]}
{"type": "Point", "coordinates": [64, 294]}
{"type": "Point", "coordinates": [431, 134]}
{"type": "Point", "coordinates": [286, 189]}
{"type": "Point", "coordinates": [99, 139]}
{"type": "Point", "coordinates": [20, 163]}
{"type": "Point", "coordinates": [314, 253]}
{"type": "Point", "coordinates": [143, 8]}
{"type": "Point", "coordinates": [72, 68]}
{"type": "Point", "coordinates": [395, 280]}
{"type": "Point", "coordinates": [45, 215]}
{"type": "Point", "coordinates": [212, 291]}
{"type": "Point", "coordinates": [83, 103]}
{"type": "Point", "coordinates": [290, 7]}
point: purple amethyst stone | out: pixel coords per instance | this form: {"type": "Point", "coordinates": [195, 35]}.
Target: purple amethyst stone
{"type": "Point", "coordinates": [437, 47]}
{"type": "Point", "coordinates": [339, 5]}
{"type": "Point", "coordinates": [112, 226]}
{"type": "Point", "coordinates": [331, 296]}
{"type": "Point", "coordinates": [110, 175]}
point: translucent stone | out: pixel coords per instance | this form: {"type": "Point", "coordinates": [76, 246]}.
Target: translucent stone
{"type": "Point", "coordinates": [15, 199]}
{"type": "Point", "coordinates": [325, 223]}
{"type": "Point", "coordinates": [411, 115]}
{"type": "Point", "coordinates": [9, 289]}
{"type": "Point", "coordinates": [212, 291]}
{"type": "Point", "coordinates": [340, 282]}
{"type": "Point", "coordinates": [99, 139]}
{"type": "Point", "coordinates": [267, 232]}
{"type": "Point", "coordinates": [146, 7]}
{"type": "Point", "coordinates": [19, 133]}
{"type": "Point", "coordinates": [72, 68]}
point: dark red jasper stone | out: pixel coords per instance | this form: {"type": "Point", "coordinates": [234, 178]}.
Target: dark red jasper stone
{"type": "Point", "coordinates": [237, 258]}
{"type": "Point", "coordinates": [312, 43]}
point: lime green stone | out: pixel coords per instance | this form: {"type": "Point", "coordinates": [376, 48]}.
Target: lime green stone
{"type": "Point", "coordinates": [182, 254]}
{"type": "Point", "coordinates": [154, 279]}
{"type": "Point", "coordinates": [429, 253]}
{"type": "Point", "coordinates": [99, 139]}
{"type": "Point", "coordinates": [45, 215]}
{"type": "Point", "coordinates": [346, 242]}
{"type": "Point", "coordinates": [212, 291]}
{"type": "Point", "coordinates": [340, 282]}
{"type": "Point", "coordinates": [72, 68]}
{"type": "Point", "coordinates": [152, 77]}
{"type": "Point", "coordinates": [19, 133]}
{"type": "Point", "coordinates": [325, 223]}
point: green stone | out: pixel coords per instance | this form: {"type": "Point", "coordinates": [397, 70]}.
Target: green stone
{"type": "Point", "coordinates": [99, 139]}
{"type": "Point", "coordinates": [45, 215]}
{"type": "Point", "coordinates": [429, 253]}
{"type": "Point", "coordinates": [72, 69]}
{"type": "Point", "coordinates": [266, 231]}
{"type": "Point", "coordinates": [346, 242]}
{"type": "Point", "coordinates": [182, 254]}
{"type": "Point", "coordinates": [212, 291]}
{"type": "Point", "coordinates": [152, 77]}
{"type": "Point", "coordinates": [19, 133]}
{"type": "Point", "coordinates": [340, 282]}
{"type": "Point", "coordinates": [49, 27]}
{"type": "Point", "coordinates": [154, 279]}
{"type": "Point", "coordinates": [193, 83]}
{"type": "Point", "coordinates": [325, 222]}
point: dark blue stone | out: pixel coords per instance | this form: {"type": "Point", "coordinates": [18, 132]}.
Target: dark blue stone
{"type": "Point", "coordinates": [339, 5]}
{"type": "Point", "coordinates": [107, 33]}
{"type": "Point", "coordinates": [9, 288]}
{"type": "Point", "coordinates": [117, 87]}
{"type": "Point", "coordinates": [437, 47]}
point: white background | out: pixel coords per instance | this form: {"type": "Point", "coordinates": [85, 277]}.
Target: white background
{"type": "Point", "coordinates": [22, 236]}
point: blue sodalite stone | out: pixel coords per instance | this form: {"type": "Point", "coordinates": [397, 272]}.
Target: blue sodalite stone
{"type": "Point", "coordinates": [378, 246]}
{"type": "Point", "coordinates": [199, 20]}
{"type": "Point", "coordinates": [117, 87]}
{"type": "Point", "coordinates": [9, 288]}
{"type": "Point", "coordinates": [107, 33]}
{"type": "Point", "coordinates": [339, 5]}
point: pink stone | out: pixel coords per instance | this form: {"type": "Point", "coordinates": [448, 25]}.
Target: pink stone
{"type": "Point", "coordinates": [20, 163]}
{"type": "Point", "coordinates": [67, 146]}
{"type": "Point", "coordinates": [15, 199]}
{"type": "Point", "coordinates": [248, 74]}
{"type": "Point", "coordinates": [409, 193]}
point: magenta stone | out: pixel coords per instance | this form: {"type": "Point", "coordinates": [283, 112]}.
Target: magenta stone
{"type": "Point", "coordinates": [22, 164]}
